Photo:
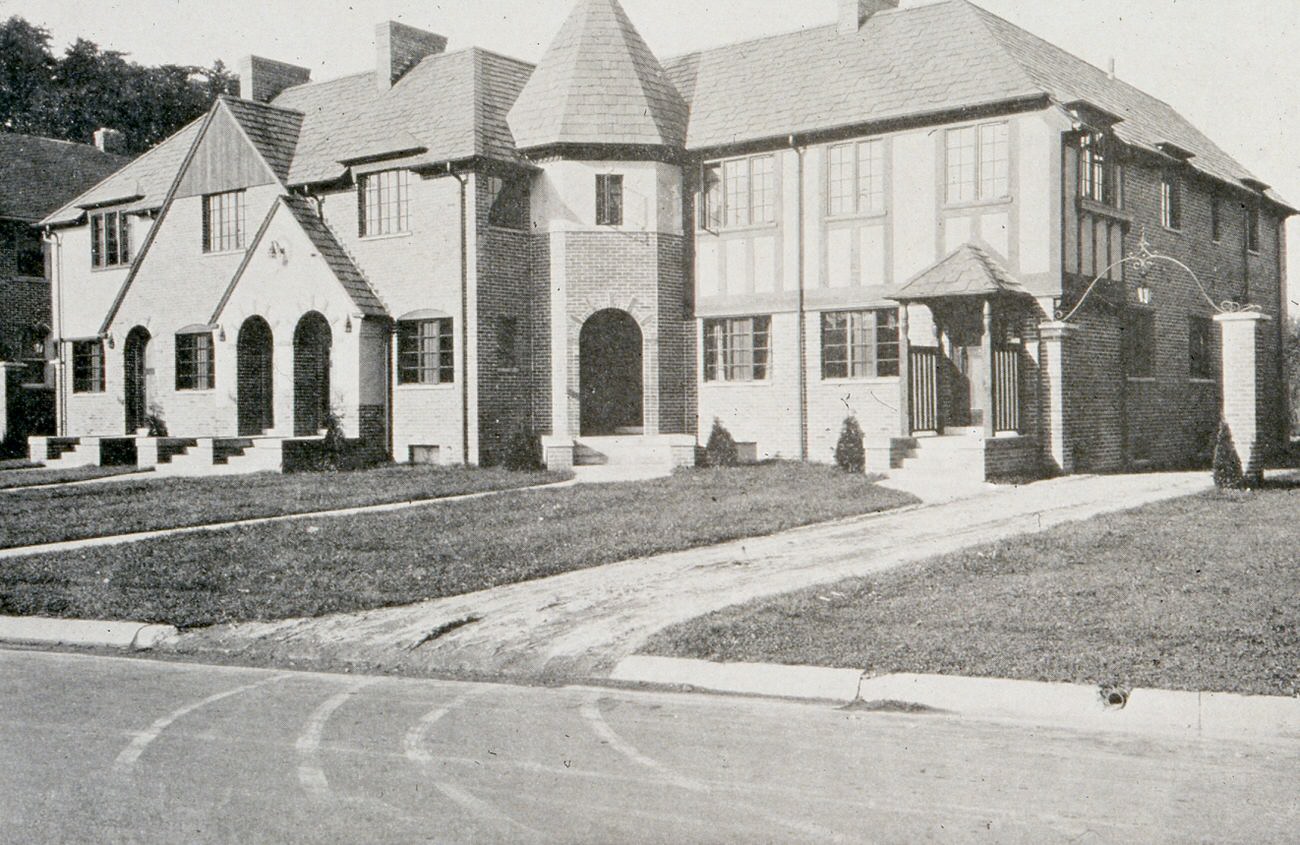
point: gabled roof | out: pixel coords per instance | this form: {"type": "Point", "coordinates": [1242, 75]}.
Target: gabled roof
{"type": "Point", "coordinates": [273, 131]}
{"type": "Point", "coordinates": [37, 175]}
{"type": "Point", "coordinates": [968, 271]}
{"type": "Point", "coordinates": [145, 181]}
{"type": "Point", "coordinates": [598, 84]}
{"type": "Point", "coordinates": [342, 265]}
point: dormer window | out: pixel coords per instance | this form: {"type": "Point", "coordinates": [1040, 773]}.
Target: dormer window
{"type": "Point", "coordinates": [609, 200]}
{"type": "Point", "coordinates": [385, 203]}
{"type": "Point", "coordinates": [110, 242]}
{"type": "Point", "coordinates": [223, 221]}
{"type": "Point", "coordinates": [1099, 174]}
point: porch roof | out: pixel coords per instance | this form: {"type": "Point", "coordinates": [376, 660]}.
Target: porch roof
{"type": "Point", "coordinates": [968, 271]}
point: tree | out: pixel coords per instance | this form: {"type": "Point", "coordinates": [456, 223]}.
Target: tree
{"type": "Point", "coordinates": [720, 451]}
{"type": "Point", "coordinates": [26, 76]}
{"type": "Point", "coordinates": [1228, 474]}
{"type": "Point", "coordinates": [850, 455]}
{"type": "Point", "coordinates": [1291, 355]}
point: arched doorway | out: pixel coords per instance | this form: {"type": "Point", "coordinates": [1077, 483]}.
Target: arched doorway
{"type": "Point", "coordinates": [255, 391]}
{"type": "Point", "coordinates": [609, 350]}
{"type": "Point", "coordinates": [311, 374]}
{"type": "Point", "coordinates": [135, 369]}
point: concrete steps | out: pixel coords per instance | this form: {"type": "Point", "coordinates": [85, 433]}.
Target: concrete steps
{"type": "Point", "coordinates": [64, 452]}
{"type": "Point", "coordinates": [625, 456]}
{"type": "Point", "coordinates": [226, 456]}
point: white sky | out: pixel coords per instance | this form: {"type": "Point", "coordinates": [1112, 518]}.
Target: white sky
{"type": "Point", "coordinates": [1232, 67]}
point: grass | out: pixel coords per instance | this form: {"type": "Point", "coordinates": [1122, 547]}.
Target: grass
{"type": "Point", "coordinates": [17, 463]}
{"type": "Point", "coordinates": [313, 567]}
{"type": "Point", "coordinates": [94, 510]}
{"type": "Point", "coordinates": [11, 479]}
{"type": "Point", "coordinates": [1197, 593]}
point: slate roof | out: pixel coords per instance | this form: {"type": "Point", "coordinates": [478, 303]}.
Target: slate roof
{"type": "Point", "coordinates": [969, 271]}
{"type": "Point", "coordinates": [598, 84]}
{"type": "Point", "coordinates": [274, 131]}
{"type": "Point", "coordinates": [342, 265]}
{"type": "Point", "coordinates": [37, 175]}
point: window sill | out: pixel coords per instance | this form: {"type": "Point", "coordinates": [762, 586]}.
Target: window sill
{"type": "Point", "coordinates": [729, 230]}
{"type": "Point", "coordinates": [114, 268]}
{"type": "Point", "coordinates": [1202, 380]}
{"type": "Point", "coordinates": [1177, 230]}
{"type": "Point", "coordinates": [1103, 210]}
{"type": "Point", "coordinates": [1141, 379]}
{"type": "Point", "coordinates": [1254, 252]}
{"type": "Point", "coordinates": [507, 371]}
{"type": "Point", "coordinates": [422, 387]}
{"type": "Point", "coordinates": [864, 380]}
{"type": "Point", "coordinates": [975, 204]}
{"type": "Point", "coordinates": [191, 391]}
{"type": "Point", "coordinates": [76, 392]}
{"type": "Point", "coordinates": [388, 236]}
{"type": "Point", "coordinates": [866, 215]}
{"type": "Point", "coordinates": [514, 230]}
{"type": "Point", "coordinates": [751, 383]}
{"type": "Point", "coordinates": [224, 253]}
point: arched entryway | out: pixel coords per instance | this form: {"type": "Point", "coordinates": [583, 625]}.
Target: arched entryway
{"type": "Point", "coordinates": [610, 387]}
{"type": "Point", "coordinates": [311, 374]}
{"type": "Point", "coordinates": [135, 370]}
{"type": "Point", "coordinates": [255, 396]}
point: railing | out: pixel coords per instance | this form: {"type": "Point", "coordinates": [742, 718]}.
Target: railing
{"type": "Point", "coordinates": [1006, 389]}
{"type": "Point", "coordinates": [924, 377]}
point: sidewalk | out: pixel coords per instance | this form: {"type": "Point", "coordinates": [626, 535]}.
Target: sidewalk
{"type": "Point", "coordinates": [581, 624]}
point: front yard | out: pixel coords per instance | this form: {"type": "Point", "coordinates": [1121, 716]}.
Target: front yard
{"type": "Point", "coordinates": [1197, 593]}
{"type": "Point", "coordinates": [317, 566]}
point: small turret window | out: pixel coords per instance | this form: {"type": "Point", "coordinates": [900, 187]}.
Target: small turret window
{"type": "Point", "coordinates": [609, 200]}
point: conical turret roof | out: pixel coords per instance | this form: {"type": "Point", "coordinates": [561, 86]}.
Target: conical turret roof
{"type": "Point", "coordinates": [598, 84]}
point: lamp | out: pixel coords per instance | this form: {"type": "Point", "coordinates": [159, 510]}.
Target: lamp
{"type": "Point", "coordinates": [111, 343]}
{"type": "Point", "coordinates": [347, 325]}
{"type": "Point", "coordinates": [221, 333]}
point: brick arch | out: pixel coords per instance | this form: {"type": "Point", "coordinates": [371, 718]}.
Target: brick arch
{"type": "Point", "coordinates": [631, 304]}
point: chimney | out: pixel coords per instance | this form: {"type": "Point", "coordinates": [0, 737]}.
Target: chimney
{"type": "Point", "coordinates": [110, 141]}
{"type": "Point", "coordinates": [854, 13]}
{"type": "Point", "coordinates": [262, 79]}
{"type": "Point", "coordinates": [399, 47]}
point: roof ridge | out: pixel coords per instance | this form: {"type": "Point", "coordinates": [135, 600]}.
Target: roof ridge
{"type": "Point", "coordinates": [499, 55]}
{"type": "Point", "coordinates": [257, 104]}
{"type": "Point", "coordinates": [977, 14]}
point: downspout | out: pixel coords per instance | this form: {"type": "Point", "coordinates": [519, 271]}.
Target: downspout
{"type": "Point", "coordinates": [803, 339]}
{"type": "Point", "coordinates": [464, 310]}
{"type": "Point", "coordinates": [55, 243]}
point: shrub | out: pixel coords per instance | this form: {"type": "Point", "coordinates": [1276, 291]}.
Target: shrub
{"type": "Point", "coordinates": [524, 452]}
{"type": "Point", "coordinates": [1227, 466]}
{"type": "Point", "coordinates": [721, 448]}
{"type": "Point", "coordinates": [155, 423]}
{"type": "Point", "coordinates": [850, 455]}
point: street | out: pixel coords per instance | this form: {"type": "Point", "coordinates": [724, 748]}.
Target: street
{"type": "Point", "coordinates": [110, 749]}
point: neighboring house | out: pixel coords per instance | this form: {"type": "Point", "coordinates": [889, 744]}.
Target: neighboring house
{"type": "Point", "coordinates": [874, 218]}
{"type": "Point", "coordinates": [37, 176]}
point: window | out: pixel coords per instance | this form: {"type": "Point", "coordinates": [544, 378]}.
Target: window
{"type": "Point", "coordinates": [223, 221]}
{"type": "Point", "coordinates": [609, 200]}
{"type": "Point", "coordinates": [1099, 174]}
{"type": "Point", "coordinates": [979, 163]}
{"type": "Point", "coordinates": [1200, 348]}
{"type": "Point", "coordinates": [857, 178]}
{"type": "Point", "coordinates": [860, 344]}
{"type": "Point", "coordinates": [87, 366]}
{"type": "Point", "coordinates": [385, 203]}
{"type": "Point", "coordinates": [508, 202]}
{"type": "Point", "coordinates": [1139, 343]}
{"type": "Point", "coordinates": [29, 255]}
{"type": "Point", "coordinates": [1252, 228]}
{"type": "Point", "coordinates": [740, 192]}
{"type": "Point", "coordinates": [1171, 202]}
{"type": "Point", "coordinates": [424, 352]}
{"type": "Point", "coordinates": [194, 365]}
{"type": "Point", "coordinates": [736, 349]}
{"type": "Point", "coordinates": [507, 343]}
{"type": "Point", "coordinates": [110, 242]}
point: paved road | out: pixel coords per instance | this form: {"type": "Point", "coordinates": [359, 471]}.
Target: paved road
{"type": "Point", "coordinates": [580, 624]}
{"type": "Point", "coordinates": [97, 749]}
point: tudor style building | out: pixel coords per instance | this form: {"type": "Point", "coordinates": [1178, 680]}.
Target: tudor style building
{"type": "Point", "coordinates": [883, 217]}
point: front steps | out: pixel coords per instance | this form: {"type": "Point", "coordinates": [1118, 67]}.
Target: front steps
{"type": "Point", "coordinates": [193, 456]}
{"type": "Point", "coordinates": [620, 457]}
{"type": "Point", "coordinates": [63, 452]}
{"type": "Point", "coordinates": [226, 456]}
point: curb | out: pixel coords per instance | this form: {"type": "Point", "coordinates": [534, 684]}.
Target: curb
{"type": "Point", "coordinates": [1203, 714]}
{"type": "Point", "coordinates": [37, 630]}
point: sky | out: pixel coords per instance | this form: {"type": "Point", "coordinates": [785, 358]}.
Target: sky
{"type": "Point", "coordinates": [1231, 67]}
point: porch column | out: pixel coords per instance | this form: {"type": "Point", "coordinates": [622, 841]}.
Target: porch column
{"type": "Point", "coordinates": [904, 374]}
{"type": "Point", "coordinates": [1054, 337]}
{"type": "Point", "coordinates": [986, 379]}
{"type": "Point", "coordinates": [1245, 403]}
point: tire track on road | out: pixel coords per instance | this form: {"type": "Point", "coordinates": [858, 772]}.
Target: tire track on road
{"type": "Point", "coordinates": [310, 774]}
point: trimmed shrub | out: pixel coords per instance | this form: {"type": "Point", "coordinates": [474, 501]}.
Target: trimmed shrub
{"type": "Point", "coordinates": [850, 454]}
{"type": "Point", "coordinates": [524, 452]}
{"type": "Point", "coordinates": [1227, 466]}
{"type": "Point", "coordinates": [721, 448]}
{"type": "Point", "coordinates": [155, 423]}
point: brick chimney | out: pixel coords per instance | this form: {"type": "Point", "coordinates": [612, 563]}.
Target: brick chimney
{"type": "Point", "coordinates": [399, 47]}
{"type": "Point", "coordinates": [263, 79]}
{"type": "Point", "coordinates": [109, 141]}
{"type": "Point", "coordinates": [854, 13]}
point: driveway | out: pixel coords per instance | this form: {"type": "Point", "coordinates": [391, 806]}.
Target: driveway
{"type": "Point", "coordinates": [580, 624]}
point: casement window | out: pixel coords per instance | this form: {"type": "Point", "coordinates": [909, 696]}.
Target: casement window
{"type": "Point", "coordinates": [507, 343]}
{"type": "Point", "coordinates": [978, 163]}
{"type": "Point", "coordinates": [425, 352]}
{"type": "Point", "coordinates": [1099, 171]}
{"type": "Point", "coordinates": [1200, 348]}
{"type": "Point", "coordinates": [223, 221]}
{"type": "Point", "coordinates": [609, 200]}
{"type": "Point", "coordinates": [110, 240]}
{"type": "Point", "coordinates": [29, 255]}
{"type": "Point", "coordinates": [1216, 219]}
{"type": "Point", "coordinates": [1252, 228]}
{"type": "Point", "coordinates": [739, 192]}
{"type": "Point", "coordinates": [508, 202]}
{"type": "Point", "coordinates": [737, 349]}
{"type": "Point", "coordinates": [87, 366]}
{"type": "Point", "coordinates": [856, 178]}
{"type": "Point", "coordinates": [194, 362]}
{"type": "Point", "coordinates": [1171, 202]}
{"type": "Point", "coordinates": [1139, 343]}
{"type": "Point", "coordinates": [385, 203]}
{"type": "Point", "coordinates": [860, 344]}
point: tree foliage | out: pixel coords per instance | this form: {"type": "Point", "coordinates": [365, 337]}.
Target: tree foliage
{"type": "Point", "coordinates": [1228, 473]}
{"type": "Point", "coordinates": [721, 450]}
{"type": "Point", "coordinates": [850, 454]}
{"type": "Point", "coordinates": [1291, 354]}
{"type": "Point", "coordinates": [71, 96]}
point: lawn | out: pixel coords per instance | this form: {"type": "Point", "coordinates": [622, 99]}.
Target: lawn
{"type": "Point", "coordinates": [11, 479]}
{"type": "Point", "coordinates": [1197, 593]}
{"type": "Point", "coordinates": [151, 502]}
{"type": "Point", "coordinates": [317, 566]}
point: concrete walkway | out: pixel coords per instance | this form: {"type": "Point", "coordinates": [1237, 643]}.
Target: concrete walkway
{"type": "Point", "coordinates": [582, 623]}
